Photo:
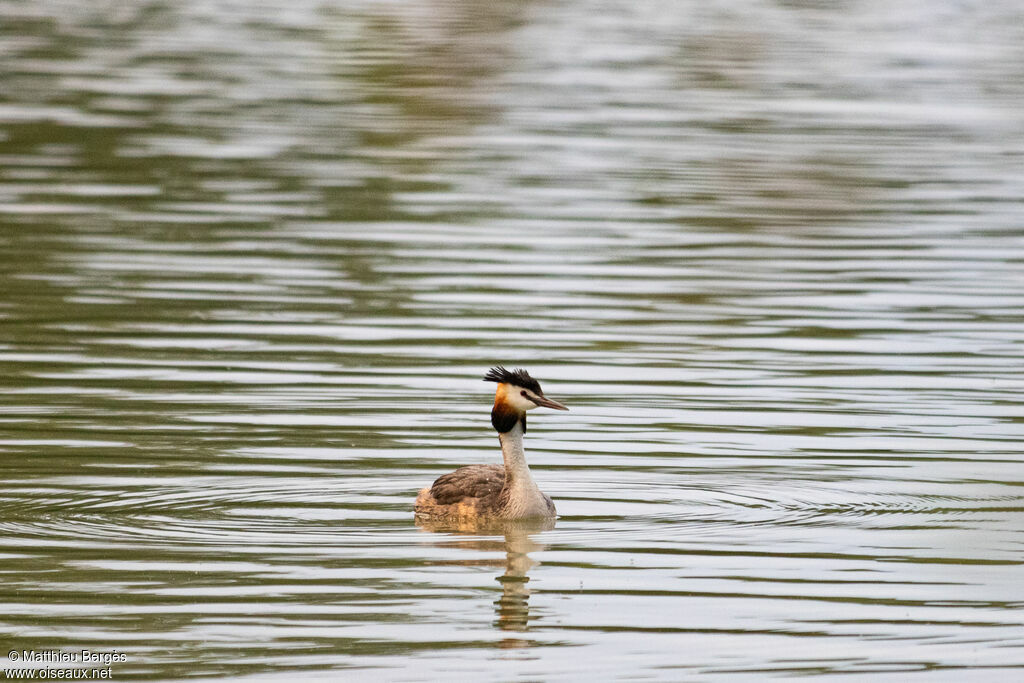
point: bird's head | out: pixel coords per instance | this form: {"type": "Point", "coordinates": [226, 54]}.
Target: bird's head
{"type": "Point", "coordinates": [517, 392]}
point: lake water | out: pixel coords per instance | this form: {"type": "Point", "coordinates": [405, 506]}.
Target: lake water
{"type": "Point", "coordinates": [255, 259]}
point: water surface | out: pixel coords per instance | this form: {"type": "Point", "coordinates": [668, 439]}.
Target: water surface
{"type": "Point", "coordinates": [255, 260]}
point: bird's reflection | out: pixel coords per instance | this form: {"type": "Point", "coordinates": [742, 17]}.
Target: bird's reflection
{"type": "Point", "coordinates": [512, 608]}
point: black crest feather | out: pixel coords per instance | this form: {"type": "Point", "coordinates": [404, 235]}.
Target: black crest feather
{"type": "Point", "coordinates": [518, 377]}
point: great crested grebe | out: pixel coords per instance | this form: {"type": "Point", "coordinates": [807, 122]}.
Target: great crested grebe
{"type": "Point", "coordinates": [492, 491]}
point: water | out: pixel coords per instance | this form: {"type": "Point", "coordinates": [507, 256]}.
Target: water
{"type": "Point", "coordinates": [257, 257]}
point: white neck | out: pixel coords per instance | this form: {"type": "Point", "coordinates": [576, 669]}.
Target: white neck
{"type": "Point", "coordinates": [517, 472]}
{"type": "Point", "coordinates": [523, 495]}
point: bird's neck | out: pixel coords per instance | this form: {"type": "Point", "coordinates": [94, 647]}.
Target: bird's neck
{"type": "Point", "coordinates": [520, 497]}
{"type": "Point", "coordinates": [517, 472]}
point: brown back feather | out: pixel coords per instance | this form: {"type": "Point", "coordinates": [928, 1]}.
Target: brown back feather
{"type": "Point", "coordinates": [472, 481]}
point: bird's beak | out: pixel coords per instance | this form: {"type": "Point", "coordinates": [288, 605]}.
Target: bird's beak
{"type": "Point", "coordinates": [545, 402]}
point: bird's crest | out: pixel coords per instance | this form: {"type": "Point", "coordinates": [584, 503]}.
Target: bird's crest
{"type": "Point", "coordinates": [518, 377]}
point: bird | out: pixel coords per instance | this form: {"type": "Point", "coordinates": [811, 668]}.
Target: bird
{"type": "Point", "coordinates": [481, 493]}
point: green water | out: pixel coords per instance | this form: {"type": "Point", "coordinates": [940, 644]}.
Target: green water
{"type": "Point", "coordinates": [256, 257]}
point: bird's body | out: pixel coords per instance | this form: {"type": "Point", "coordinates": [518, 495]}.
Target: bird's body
{"type": "Point", "coordinates": [495, 492]}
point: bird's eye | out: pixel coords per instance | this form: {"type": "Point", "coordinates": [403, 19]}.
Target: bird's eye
{"type": "Point", "coordinates": [523, 393]}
